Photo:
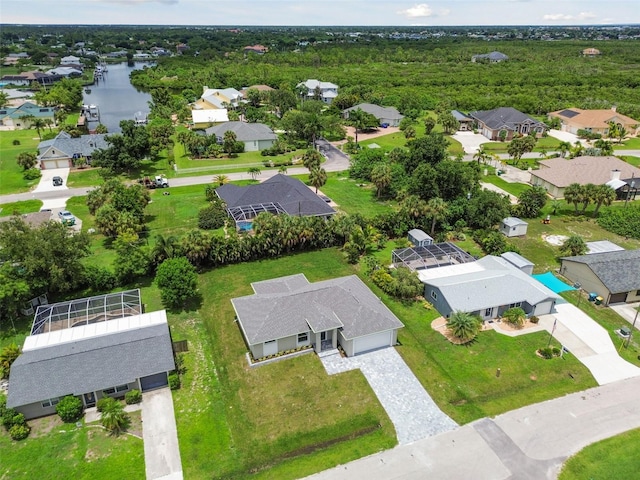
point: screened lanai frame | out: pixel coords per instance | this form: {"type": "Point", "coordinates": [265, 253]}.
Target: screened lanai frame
{"type": "Point", "coordinates": [430, 256]}
{"type": "Point", "coordinates": [84, 311]}
{"type": "Point", "coordinates": [245, 213]}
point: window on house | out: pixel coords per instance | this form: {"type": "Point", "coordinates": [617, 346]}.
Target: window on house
{"type": "Point", "coordinates": [487, 312]}
{"type": "Point", "coordinates": [50, 403]}
{"type": "Point", "coordinates": [514, 305]}
{"type": "Point", "coordinates": [434, 295]}
{"type": "Point", "coordinates": [303, 337]}
{"type": "Point", "coordinates": [119, 388]}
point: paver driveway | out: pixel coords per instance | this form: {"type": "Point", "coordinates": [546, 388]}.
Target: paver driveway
{"type": "Point", "coordinates": [412, 411]}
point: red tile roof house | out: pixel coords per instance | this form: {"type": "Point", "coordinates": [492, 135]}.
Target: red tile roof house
{"type": "Point", "coordinates": [508, 120]}
{"type": "Point", "coordinates": [558, 173]}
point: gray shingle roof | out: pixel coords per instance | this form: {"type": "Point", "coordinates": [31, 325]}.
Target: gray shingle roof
{"type": "Point", "coordinates": [245, 132]}
{"type": "Point", "coordinates": [503, 117]}
{"type": "Point", "coordinates": [618, 271]}
{"type": "Point", "coordinates": [493, 56]}
{"type": "Point", "coordinates": [343, 302]}
{"type": "Point", "coordinates": [88, 365]}
{"type": "Point", "coordinates": [377, 111]}
{"type": "Point", "coordinates": [291, 194]}
{"type": "Point", "coordinates": [66, 146]}
{"type": "Point", "coordinates": [498, 283]}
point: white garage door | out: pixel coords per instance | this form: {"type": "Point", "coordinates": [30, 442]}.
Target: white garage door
{"type": "Point", "coordinates": [49, 164]}
{"type": "Point", "coordinates": [371, 342]}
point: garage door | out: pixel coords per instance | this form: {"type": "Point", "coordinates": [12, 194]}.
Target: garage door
{"type": "Point", "coordinates": [371, 342]}
{"type": "Point", "coordinates": [50, 164]}
{"type": "Point", "coordinates": [153, 381]}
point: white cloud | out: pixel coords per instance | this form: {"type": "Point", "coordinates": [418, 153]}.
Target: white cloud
{"type": "Point", "coordinates": [586, 15]}
{"type": "Point", "coordinates": [417, 11]}
{"type": "Point", "coordinates": [557, 16]}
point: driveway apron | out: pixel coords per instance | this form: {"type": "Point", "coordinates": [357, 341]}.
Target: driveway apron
{"type": "Point", "coordinates": [161, 452]}
{"type": "Point", "coordinates": [412, 411]}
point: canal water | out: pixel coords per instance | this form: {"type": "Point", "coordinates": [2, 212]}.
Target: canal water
{"type": "Point", "coordinates": [116, 98]}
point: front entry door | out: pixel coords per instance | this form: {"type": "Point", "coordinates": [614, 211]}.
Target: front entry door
{"type": "Point", "coordinates": [89, 399]}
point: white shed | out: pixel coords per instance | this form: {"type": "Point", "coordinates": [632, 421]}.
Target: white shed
{"type": "Point", "coordinates": [419, 238]}
{"type": "Point", "coordinates": [519, 262]}
{"type": "Point", "coordinates": [513, 227]}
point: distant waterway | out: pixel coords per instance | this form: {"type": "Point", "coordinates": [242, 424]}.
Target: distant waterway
{"type": "Point", "coordinates": [116, 98]}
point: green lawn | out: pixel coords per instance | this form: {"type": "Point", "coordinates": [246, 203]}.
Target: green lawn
{"type": "Point", "coordinates": [86, 177]}
{"type": "Point", "coordinates": [395, 140]}
{"type": "Point", "coordinates": [635, 161]}
{"type": "Point", "coordinates": [11, 179]}
{"type": "Point", "coordinates": [615, 457]}
{"type": "Point", "coordinates": [176, 213]}
{"type": "Point", "coordinates": [25, 206]}
{"type": "Point", "coordinates": [629, 144]}
{"type": "Point", "coordinates": [352, 198]}
{"type": "Point", "coordinates": [513, 188]}
{"type": "Point", "coordinates": [233, 420]}
{"type": "Point", "coordinates": [55, 450]}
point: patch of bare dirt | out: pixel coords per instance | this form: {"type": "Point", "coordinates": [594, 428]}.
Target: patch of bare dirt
{"type": "Point", "coordinates": [43, 426]}
{"type": "Point", "coordinates": [512, 328]}
{"type": "Point", "coordinates": [440, 326]}
{"type": "Point", "coordinates": [379, 132]}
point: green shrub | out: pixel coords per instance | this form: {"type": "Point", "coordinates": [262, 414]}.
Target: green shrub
{"type": "Point", "coordinates": [20, 431]}
{"type": "Point", "coordinates": [546, 352]}
{"type": "Point", "coordinates": [555, 351]}
{"type": "Point", "coordinates": [32, 174]}
{"type": "Point", "coordinates": [534, 319]}
{"type": "Point", "coordinates": [99, 279]}
{"type": "Point", "coordinates": [515, 316]}
{"type": "Point", "coordinates": [103, 403]}
{"type": "Point", "coordinates": [212, 216]}
{"type": "Point", "coordinates": [133, 396]}
{"type": "Point", "coordinates": [10, 417]}
{"type": "Point", "coordinates": [174, 381]}
{"type": "Point", "coordinates": [16, 142]}
{"type": "Point", "coordinates": [69, 409]}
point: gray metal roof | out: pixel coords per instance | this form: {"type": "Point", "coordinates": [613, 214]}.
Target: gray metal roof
{"type": "Point", "coordinates": [418, 234]}
{"type": "Point", "coordinates": [618, 271]}
{"type": "Point", "coordinates": [503, 117]}
{"type": "Point", "coordinates": [602, 246]}
{"type": "Point", "coordinates": [89, 365]}
{"type": "Point", "coordinates": [516, 259]}
{"type": "Point", "coordinates": [498, 283]}
{"type": "Point", "coordinates": [245, 132]}
{"type": "Point", "coordinates": [293, 196]}
{"type": "Point", "coordinates": [513, 221]}
{"type": "Point", "coordinates": [66, 147]}
{"type": "Point", "coordinates": [377, 111]}
{"type": "Point", "coordinates": [344, 302]}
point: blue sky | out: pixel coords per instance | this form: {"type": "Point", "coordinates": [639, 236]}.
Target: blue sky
{"type": "Point", "coordinates": [321, 12]}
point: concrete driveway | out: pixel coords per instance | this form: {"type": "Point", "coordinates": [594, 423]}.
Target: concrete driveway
{"type": "Point", "coordinates": [412, 411]}
{"type": "Point", "coordinates": [589, 343]}
{"type": "Point", "coordinates": [160, 436]}
{"type": "Point", "coordinates": [628, 312]}
{"type": "Point", "coordinates": [46, 181]}
{"type": "Point", "coordinates": [566, 137]}
{"type": "Point", "coordinates": [470, 141]}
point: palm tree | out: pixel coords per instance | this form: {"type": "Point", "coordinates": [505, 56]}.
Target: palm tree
{"type": "Point", "coordinates": [564, 148]}
{"type": "Point", "coordinates": [437, 210]}
{"type": "Point", "coordinates": [622, 133]}
{"type": "Point", "coordinates": [603, 194]}
{"type": "Point", "coordinates": [588, 194]}
{"type": "Point", "coordinates": [463, 326]}
{"type": "Point", "coordinates": [381, 177]}
{"type": "Point", "coordinates": [574, 245]}
{"type": "Point", "coordinates": [221, 179]}
{"type": "Point", "coordinates": [196, 245]}
{"type": "Point", "coordinates": [254, 172]}
{"type": "Point", "coordinates": [49, 123]}
{"type": "Point", "coordinates": [317, 177]}
{"type": "Point", "coordinates": [573, 194]}
{"type": "Point", "coordinates": [38, 124]}
{"type": "Point", "coordinates": [357, 120]}
{"type": "Point", "coordinates": [164, 248]}
{"type": "Point", "coordinates": [613, 129]}
{"type": "Point", "coordinates": [414, 207]}
{"type": "Point", "coordinates": [515, 316]}
{"type": "Point", "coordinates": [311, 158]}
{"type": "Point", "coordinates": [113, 417]}
{"type": "Point", "coordinates": [482, 155]}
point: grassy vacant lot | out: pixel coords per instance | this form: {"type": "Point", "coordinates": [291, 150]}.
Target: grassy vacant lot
{"type": "Point", "coordinates": [56, 450]}
{"type": "Point", "coordinates": [233, 420]}
{"type": "Point", "coordinates": [11, 179]}
{"type": "Point", "coordinates": [615, 457]}
{"type": "Point", "coordinates": [352, 198]}
{"type": "Point", "coordinates": [513, 188]}
{"type": "Point", "coordinates": [26, 206]}
{"type": "Point", "coordinates": [89, 177]}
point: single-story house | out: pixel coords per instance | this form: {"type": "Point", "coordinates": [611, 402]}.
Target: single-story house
{"type": "Point", "coordinates": [90, 348]}
{"type": "Point", "coordinates": [493, 57]}
{"type": "Point", "coordinates": [290, 312]}
{"type": "Point", "coordinates": [204, 118]}
{"type": "Point", "coordinates": [63, 149]}
{"type": "Point", "coordinates": [278, 195]}
{"type": "Point", "coordinates": [487, 288]}
{"type": "Point", "coordinates": [419, 238]}
{"type": "Point", "coordinates": [255, 136]}
{"type": "Point", "coordinates": [218, 98]}
{"type": "Point", "coordinates": [594, 121]}
{"type": "Point", "coordinates": [69, 59]}
{"type": "Point", "coordinates": [326, 91]}
{"type": "Point", "coordinates": [389, 116]}
{"type": "Point", "coordinates": [556, 174]}
{"type": "Point", "coordinates": [66, 71]}
{"type": "Point", "coordinates": [14, 117]}
{"type": "Point", "coordinates": [259, 49]}
{"type": "Point", "coordinates": [590, 52]}
{"type": "Point", "coordinates": [27, 78]}
{"type": "Point", "coordinates": [615, 276]}
{"type": "Point", "coordinates": [260, 88]}
{"type": "Point", "coordinates": [513, 227]}
{"type": "Point", "coordinates": [506, 122]}
{"type": "Point", "coordinates": [465, 122]}
{"type": "Point", "coordinates": [16, 97]}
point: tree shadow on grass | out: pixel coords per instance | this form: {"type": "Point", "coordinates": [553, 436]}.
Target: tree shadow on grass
{"type": "Point", "coordinates": [192, 304]}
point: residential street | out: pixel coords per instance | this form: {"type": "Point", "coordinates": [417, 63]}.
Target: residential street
{"type": "Point", "coordinates": [528, 443]}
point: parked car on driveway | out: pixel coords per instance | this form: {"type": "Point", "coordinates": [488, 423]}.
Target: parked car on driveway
{"type": "Point", "coordinates": [67, 218]}
{"type": "Point", "coordinates": [57, 181]}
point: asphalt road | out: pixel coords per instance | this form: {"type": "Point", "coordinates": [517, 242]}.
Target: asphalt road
{"type": "Point", "coordinates": [530, 443]}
